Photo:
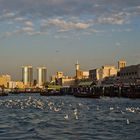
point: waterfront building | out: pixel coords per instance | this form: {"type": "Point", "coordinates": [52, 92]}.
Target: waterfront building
{"type": "Point", "coordinates": [27, 75]}
{"type": "Point", "coordinates": [107, 71]}
{"type": "Point", "coordinates": [85, 75]}
{"type": "Point", "coordinates": [41, 76]}
{"type": "Point", "coordinates": [79, 73]}
{"type": "Point", "coordinates": [4, 80]}
{"type": "Point", "coordinates": [66, 81]}
{"type": "Point", "coordinates": [98, 75]}
{"type": "Point", "coordinates": [16, 84]}
{"type": "Point", "coordinates": [121, 64]}
{"type": "Point", "coordinates": [130, 74]}
{"type": "Point", "coordinates": [94, 75]}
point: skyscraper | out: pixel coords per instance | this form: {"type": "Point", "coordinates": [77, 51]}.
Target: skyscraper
{"type": "Point", "coordinates": [27, 75]}
{"type": "Point", "coordinates": [41, 76]}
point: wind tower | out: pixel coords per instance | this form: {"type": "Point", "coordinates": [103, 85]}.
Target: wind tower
{"type": "Point", "coordinates": [121, 64]}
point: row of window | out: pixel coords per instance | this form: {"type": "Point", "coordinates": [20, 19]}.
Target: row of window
{"type": "Point", "coordinates": [129, 74]}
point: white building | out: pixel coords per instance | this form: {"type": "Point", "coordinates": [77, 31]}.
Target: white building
{"type": "Point", "coordinates": [41, 76]}
{"type": "Point", "coordinates": [27, 75]}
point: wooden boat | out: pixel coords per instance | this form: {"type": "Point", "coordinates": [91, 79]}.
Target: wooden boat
{"type": "Point", "coordinates": [86, 95]}
{"type": "Point", "coordinates": [3, 94]}
{"type": "Point", "coordinates": [51, 93]}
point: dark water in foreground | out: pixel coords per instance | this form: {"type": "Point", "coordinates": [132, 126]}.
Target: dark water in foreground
{"type": "Point", "coordinates": [65, 118]}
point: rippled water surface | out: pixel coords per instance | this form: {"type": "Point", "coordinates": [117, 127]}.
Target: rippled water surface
{"type": "Point", "coordinates": [64, 118]}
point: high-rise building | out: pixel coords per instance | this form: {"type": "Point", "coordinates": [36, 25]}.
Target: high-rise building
{"type": "Point", "coordinates": [41, 76]}
{"type": "Point", "coordinates": [27, 75]}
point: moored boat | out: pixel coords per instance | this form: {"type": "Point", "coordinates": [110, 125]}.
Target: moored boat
{"type": "Point", "coordinates": [3, 94]}
{"type": "Point", "coordinates": [51, 93]}
{"type": "Point", "coordinates": [86, 95]}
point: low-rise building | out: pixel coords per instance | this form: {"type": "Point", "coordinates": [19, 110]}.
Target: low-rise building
{"type": "Point", "coordinates": [94, 74]}
{"type": "Point", "coordinates": [4, 80]}
{"type": "Point", "coordinates": [66, 81]}
{"type": "Point", "coordinates": [16, 84]}
{"type": "Point", "coordinates": [130, 74]}
{"type": "Point", "coordinates": [100, 74]}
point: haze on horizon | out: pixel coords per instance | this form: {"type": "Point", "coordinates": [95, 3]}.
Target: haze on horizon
{"type": "Point", "coordinates": [57, 33]}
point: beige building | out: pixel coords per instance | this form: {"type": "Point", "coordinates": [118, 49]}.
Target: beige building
{"type": "Point", "coordinates": [27, 75]}
{"type": "Point", "coordinates": [121, 64]}
{"type": "Point", "coordinates": [79, 73]}
{"type": "Point", "coordinates": [16, 84]}
{"type": "Point", "coordinates": [66, 81]}
{"type": "Point", "coordinates": [4, 80]}
{"type": "Point", "coordinates": [107, 71]}
{"type": "Point", "coordinates": [103, 72]}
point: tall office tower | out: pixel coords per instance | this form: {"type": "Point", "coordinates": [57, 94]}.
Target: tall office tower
{"type": "Point", "coordinates": [27, 75]}
{"type": "Point", "coordinates": [121, 64]}
{"type": "Point", "coordinates": [41, 76]}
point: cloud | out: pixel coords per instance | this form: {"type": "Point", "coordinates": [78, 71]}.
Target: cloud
{"type": "Point", "coordinates": [67, 25]}
{"type": "Point", "coordinates": [29, 23]}
{"type": "Point", "coordinates": [24, 30]}
{"type": "Point", "coordinates": [51, 8]}
{"type": "Point", "coordinates": [67, 15]}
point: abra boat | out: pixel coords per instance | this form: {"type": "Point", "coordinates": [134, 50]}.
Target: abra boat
{"type": "Point", "coordinates": [51, 93]}
{"type": "Point", "coordinates": [3, 94]}
{"type": "Point", "coordinates": [86, 95]}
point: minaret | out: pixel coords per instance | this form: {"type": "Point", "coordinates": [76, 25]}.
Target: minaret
{"type": "Point", "coordinates": [77, 66]}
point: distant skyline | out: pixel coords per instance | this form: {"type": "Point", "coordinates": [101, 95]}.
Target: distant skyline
{"type": "Point", "coordinates": [57, 33]}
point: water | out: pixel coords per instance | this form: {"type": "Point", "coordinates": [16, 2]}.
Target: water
{"type": "Point", "coordinates": [35, 117]}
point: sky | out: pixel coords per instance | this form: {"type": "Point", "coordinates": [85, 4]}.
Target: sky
{"type": "Point", "coordinates": [57, 33]}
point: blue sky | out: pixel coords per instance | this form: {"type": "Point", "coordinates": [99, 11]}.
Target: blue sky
{"type": "Point", "coordinates": [57, 33]}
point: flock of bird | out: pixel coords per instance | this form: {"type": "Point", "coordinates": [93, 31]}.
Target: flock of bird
{"type": "Point", "coordinates": [50, 105]}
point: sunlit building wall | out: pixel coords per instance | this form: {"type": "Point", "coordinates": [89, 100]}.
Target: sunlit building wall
{"type": "Point", "coordinates": [41, 76]}
{"type": "Point", "coordinates": [4, 80]}
{"type": "Point", "coordinates": [27, 75]}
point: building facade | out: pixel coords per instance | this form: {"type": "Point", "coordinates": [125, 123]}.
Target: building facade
{"type": "Point", "coordinates": [41, 76]}
{"type": "Point", "coordinates": [107, 71]}
{"type": "Point", "coordinates": [130, 74]}
{"type": "Point", "coordinates": [94, 74]}
{"type": "Point", "coordinates": [79, 73]}
{"type": "Point", "coordinates": [16, 84]}
{"type": "Point", "coordinates": [27, 75]}
{"type": "Point", "coordinates": [98, 75]}
{"type": "Point", "coordinates": [121, 64]}
{"type": "Point", "coordinates": [4, 80]}
{"type": "Point", "coordinates": [66, 81]}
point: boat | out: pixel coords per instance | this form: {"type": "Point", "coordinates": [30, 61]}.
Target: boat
{"type": "Point", "coordinates": [86, 95]}
{"type": "Point", "coordinates": [3, 94]}
{"type": "Point", "coordinates": [51, 93]}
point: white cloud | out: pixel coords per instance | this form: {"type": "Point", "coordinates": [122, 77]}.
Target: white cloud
{"type": "Point", "coordinates": [65, 25]}
{"type": "Point", "coordinates": [29, 23]}
{"type": "Point", "coordinates": [117, 19]}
